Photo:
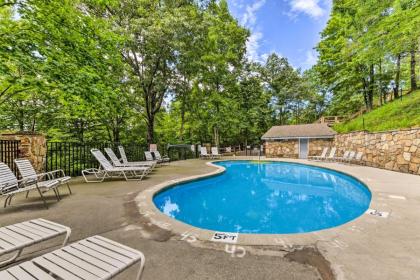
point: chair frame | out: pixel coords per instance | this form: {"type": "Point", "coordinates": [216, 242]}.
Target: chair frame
{"type": "Point", "coordinates": [26, 170]}
{"type": "Point", "coordinates": [204, 155]}
{"type": "Point", "coordinates": [215, 153]}
{"type": "Point", "coordinates": [95, 257]}
{"type": "Point", "coordinates": [161, 159]}
{"type": "Point", "coordinates": [29, 233]}
{"type": "Point", "coordinates": [320, 157]}
{"type": "Point", "coordinates": [10, 186]}
{"type": "Point", "coordinates": [124, 159]}
{"type": "Point", "coordinates": [117, 163]}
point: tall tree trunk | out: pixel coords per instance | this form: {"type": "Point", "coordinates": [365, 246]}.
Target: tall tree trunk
{"type": "Point", "coordinates": [413, 82]}
{"type": "Point", "coordinates": [380, 83]}
{"type": "Point", "coordinates": [216, 136]}
{"type": "Point", "coordinates": [181, 130]}
{"type": "Point", "coordinates": [150, 129]}
{"type": "Point", "coordinates": [397, 77]}
{"type": "Point", "coordinates": [371, 87]}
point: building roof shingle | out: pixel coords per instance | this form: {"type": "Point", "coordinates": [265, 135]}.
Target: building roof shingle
{"type": "Point", "coordinates": [315, 130]}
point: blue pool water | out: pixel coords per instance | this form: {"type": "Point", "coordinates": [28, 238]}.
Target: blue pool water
{"type": "Point", "coordinates": [271, 197]}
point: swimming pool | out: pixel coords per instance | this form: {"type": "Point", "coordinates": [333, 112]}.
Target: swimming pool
{"type": "Point", "coordinates": [266, 198]}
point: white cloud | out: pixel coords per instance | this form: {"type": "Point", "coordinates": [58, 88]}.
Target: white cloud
{"type": "Point", "coordinates": [249, 18]}
{"type": "Point", "coordinates": [310, 7]}
{"type": "Point", "coordinates": [311, 59]}
{"type": "Point", "coordinates": [253, 45]}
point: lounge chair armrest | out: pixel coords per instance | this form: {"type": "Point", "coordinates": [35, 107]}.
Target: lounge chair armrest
{"type": "Point", "coordinates": [7, 187]}
{"type": "Point", "coordinates": [27, 182]}
{"type": "Point", "coordinates": [58, 171]}
{"type": "Point", "coordinates": [43, 176]}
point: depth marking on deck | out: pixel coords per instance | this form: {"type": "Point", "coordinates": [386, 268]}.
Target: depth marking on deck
{"type": "Point", "coordinates": [377, 213]}
{"type": "Point", "coordinates": [225, 237]}
{"type": "Point", "coordinates": [190, 237]}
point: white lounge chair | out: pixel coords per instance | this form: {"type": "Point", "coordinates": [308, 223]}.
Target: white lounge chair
{"type": "Point", "coordinates": [331, 154]}
{"type": "Point", "coordinates": [344, 157]}
{"type": "Point", "coordinates": [149, 157]}
{"type": "Point", "coordinates": [92, 258]}
{"type": "Point", "coordinates": [117, 163]}
{"type": "Point", "coordinates": [10, 185]}
{"type": "Point", "coordinates": [27, 171]}
{"type": "Point", "coordinates": [203, 153]}
{"type": "Point", "coordinates": [322, 156]}
{"type": "Point", "coordinates": [163, 159]}
{"type": "Point", "coordinates": [357, 159]}
{"type": "Point", "coordinates": [125, 160]}
{"type": "Point", "coordinates": [215, 153]}
{"type": "Point", "coordinates": [107, 170]}
{"type": "Point", "coordinates": [350, 157]}
{"type": "Point", "coordinates": [16, 237]}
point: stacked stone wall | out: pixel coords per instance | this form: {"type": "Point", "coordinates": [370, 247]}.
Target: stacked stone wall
{"type": "Point", "coordinates": [282, 148]}
{"type": "Point", "coordinates": [290, 148]}
{"type": "Point", "coordinates": [32, 147]}
{"type": "Point", "coordinates": [393, 150]}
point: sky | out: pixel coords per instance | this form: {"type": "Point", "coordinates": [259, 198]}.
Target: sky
{"type": "Point", "coordinates": [291, 28]}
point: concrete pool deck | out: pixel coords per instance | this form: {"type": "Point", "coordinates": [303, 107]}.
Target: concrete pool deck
{"type": "Point", "coordinates": [370, 247]}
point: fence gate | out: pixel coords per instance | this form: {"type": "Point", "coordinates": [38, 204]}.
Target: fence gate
{"type": "Point", "coordinates": [9, 151]}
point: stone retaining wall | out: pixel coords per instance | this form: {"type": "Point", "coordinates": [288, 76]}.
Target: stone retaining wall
{"type": "Point", "coordinates": [317, 145]}
{"type": "Point", "coordinates": [392, 150]}
{"type": "Point", "coordinates": [32, 147]}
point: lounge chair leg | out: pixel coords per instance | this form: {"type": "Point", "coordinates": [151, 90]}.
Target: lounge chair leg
{"type": "Point", "coordinates": [56, 195]}
{"type": "Point", "coordinates": [68, 186]}
{"type": "Point", "coordinates": [141, 268]}
{"type": "Point", "coordinates": [10, 199]}
{"type": "Point", "coordinates": [58, 192]}
{"type": "Point", "coordinates": [43, 198]}
{"type": "Point", "coordinates": [5, 201]}
{"type": "Point", "coordinates": [27, 194]}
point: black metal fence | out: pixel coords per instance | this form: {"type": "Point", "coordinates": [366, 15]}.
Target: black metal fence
{"type": "Point", "coordinates": [9, 151]}
{"type": "Point", "coordinates": [74, 157]}
{"type": "Point", "coordinates": [182, 152]}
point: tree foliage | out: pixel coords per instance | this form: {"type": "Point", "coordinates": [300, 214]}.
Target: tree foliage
{"type": "Point", "coordinates": [154, 71]}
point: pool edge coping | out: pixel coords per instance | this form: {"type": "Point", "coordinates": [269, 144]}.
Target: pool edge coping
{"type": "Point", "coordinates": [189, 233]}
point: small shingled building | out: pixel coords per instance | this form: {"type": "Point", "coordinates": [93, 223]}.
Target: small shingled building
{"type": "Point", "coordinates": [297, 141]}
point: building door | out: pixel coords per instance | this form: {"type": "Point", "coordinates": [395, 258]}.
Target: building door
{"type": "Point", "coordinates": [303, 147]}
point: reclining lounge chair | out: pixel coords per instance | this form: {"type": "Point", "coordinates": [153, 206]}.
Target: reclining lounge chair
{"type": "Point", "coordinates": [107, 170]}
{"type": "Point", "coordinates": [27, 171]}
{"type": "Point", "coordinates": [127, 163]}
{"type": "Point", "coordinates": [16, 237]}
{"type": "Point", "coordinates": [93, 258]}
{"type": "Point", "coordinates": [10, 185]}
{"type": "Point", "coordinates": [320, 157]}
{"type": "Point", "coordinates": [117, 163]}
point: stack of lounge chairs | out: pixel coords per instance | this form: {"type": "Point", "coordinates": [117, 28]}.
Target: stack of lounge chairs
{"type": "Point", "coordinates": [350, 157]}
{"type": "Point", "coordinates": [93, 258]}
{"type": "Point", "coordinates": [121, 167]}
{"type": "Point", "coordinates": [108, 170]}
